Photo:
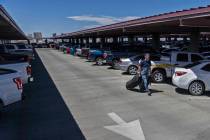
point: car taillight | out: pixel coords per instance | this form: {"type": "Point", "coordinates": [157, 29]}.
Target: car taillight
{"type": "Point", "coordinates": [120, 61]}
{"type": "Point", "coordinates": [29, 70]}
{"type": "Point", "coordinates": [180, 73]}
{"type": "Point", "coordinates": [105, 55]}
{"type": "Point", "coordinates": [29, 59]}
{"type": "Point", "coordinates": [19, 83]}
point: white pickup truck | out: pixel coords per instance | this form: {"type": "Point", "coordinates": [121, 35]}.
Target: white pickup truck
{"type": "Point", "coordinates": [165, 68]}
{"type": "Point", "coordinates": [19, 49]}
{"type": "Point", "coordinates": [23, 67]}
{"type": "Point", "coordinates": [11, 87]}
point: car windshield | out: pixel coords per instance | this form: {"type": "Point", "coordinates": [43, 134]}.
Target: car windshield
{"type": "Point", "coordinates": [192, 65]}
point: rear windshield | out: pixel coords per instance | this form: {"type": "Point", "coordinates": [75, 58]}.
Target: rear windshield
{"type": "Point", "coordinates": [5, 71]}
{"type": "Point", "coordinates": [192, 65]}
{"type": "Point", "coordinates": [21, 46]}
{"type": "Point", "coordinates": [2, 49]}
{"type": "Point", "coordinates": [137, 57]}
{"type": "Point", "coordinates": [10, 47]}
{"type": "Point", "coordinates": [206, 54]}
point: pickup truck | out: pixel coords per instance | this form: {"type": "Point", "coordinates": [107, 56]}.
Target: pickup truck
{"type": "Point", "coordinates": [23, 67]}
{"type": "Point", "coordinates": [19, 49]}
{"type": "Point", "coordinates": [98, 56]}
{"type": "Point", "coordinates": [165, 67]}
{"type": "Point", "coordinates": [5, 54]}
{"type": "Point", "coordinates": [11, 87]}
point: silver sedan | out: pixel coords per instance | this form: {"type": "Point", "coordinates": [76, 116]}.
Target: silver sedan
{"type": "Point", "coordinates": [130, 65]}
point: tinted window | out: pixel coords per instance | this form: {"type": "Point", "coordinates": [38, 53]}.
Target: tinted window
{"type": "Point", "coordinates": [4, 71]}
{"type": "Point", "coordinates": [206, 54]}
{"type": "Point", "coordinates": [2, 49]}
{"type": "Point", "coordinates": [182, 57]}
{"type": "Point", "coordinates": [136, 58]}
{"type": "Point", "coordinates": [195, 58]}
{"type": "Point", "coordinates": [10, 47]}
{"type": "Point", "coordinates": [206, 68]}
{"type": "Point", "coordinates": [155, 58]}
{"type": "Point", "coordinates": [192, 65]}
{"type": "Point", "coordinates": [170, 50]}
{"type": "Point", "coordinates": [21, 47]}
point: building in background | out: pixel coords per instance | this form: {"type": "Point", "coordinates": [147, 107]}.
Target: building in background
{"type": "Point", "coordinates": [54, 35]}
{"type": "Point", "coordinates": [30, 36]}
{"type": "Point", "coordinates": [38, 37]}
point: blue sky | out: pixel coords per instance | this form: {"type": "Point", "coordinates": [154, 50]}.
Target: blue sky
{"type": "Point", "coordinates": [61, 16]}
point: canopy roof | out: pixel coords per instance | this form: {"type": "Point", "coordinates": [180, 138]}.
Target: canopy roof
{"type": "Point", "coordinates": [9, 30]}
{"type": "Point", "coordinates": [179, 22]}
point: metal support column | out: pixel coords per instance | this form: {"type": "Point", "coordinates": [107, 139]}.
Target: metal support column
{"type": "Point", "coordinates": [195, 41]}
{"type": "Point", "coordinates": [156, 41]}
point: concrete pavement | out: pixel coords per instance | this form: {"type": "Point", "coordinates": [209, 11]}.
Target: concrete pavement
{"type": "Point", "coordinates": [91, 92]}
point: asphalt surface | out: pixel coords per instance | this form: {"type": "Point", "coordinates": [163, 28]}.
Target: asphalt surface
{"type": "Point", "coordinates": [82, 92]}
{"type": "Point", "coordinates": [42, 115]}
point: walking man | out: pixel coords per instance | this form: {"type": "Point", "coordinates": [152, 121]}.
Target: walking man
{"type": "Point", "coordinates": [145, 71]}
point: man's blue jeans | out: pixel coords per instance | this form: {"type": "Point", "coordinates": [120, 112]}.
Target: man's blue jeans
{"type": "Point", "coordinates": [145, 78]}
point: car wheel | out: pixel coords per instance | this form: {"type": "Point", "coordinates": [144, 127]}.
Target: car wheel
{"type": "Point", "coordinates": [158, 76]}
{"type": "Point", "coordinates": [99, 61]}
{"type": "Point", "coordinates": [132, 70]}
{"type": "Point", "coordinates": [196, 88]}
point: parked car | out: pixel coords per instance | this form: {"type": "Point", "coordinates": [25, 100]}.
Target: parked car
{"type": "Point", "coordinates": [206, 55]}
{"type": "Point", "coordinates": [114, 57]}
{"type": "Point", "coordinates": [165, 68]}
{"type": "Point", "coordinates": [6, 56]}
{"type": "Point", "coordinates": [174, 49]}
{"type": "Point", "coordinates": [193, 77]}
{"type": "Point", "coordinates": [19, 49]}
{"type": "Point", "coordinates": [11, 87]}
{"type": "Point", "coordinates": [85, 52]}
{"type": "Point", "coordinates": [130, 65]}
{"type": "Point", "coordinates": [73, 49]}
{"type": "Point", "coordinates": [61, 47]}
{"type": "Point", "coordinates": [78, 51]}
{"type": "Point", "coordinates": [23, 67]}
{"type": "Point", "coordinates": [98, 56]}
{"type": "Point", "coordinates": [66, 48]}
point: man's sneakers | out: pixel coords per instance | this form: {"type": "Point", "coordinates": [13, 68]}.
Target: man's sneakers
{"type": "Point", "coordinates": [148, 92]}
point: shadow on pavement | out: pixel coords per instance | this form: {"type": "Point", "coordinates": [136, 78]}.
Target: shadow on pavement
{"type": "Point", "coordinates": [112, 68]}
{"type": "Point", "coordinates": [152, 90]}
{"type": "Point", "coordinates": [126, 73]}
{"type": "Point", "coordinates": [42, 115]}
{"type": "Point", "coordinates": [185, 92]}
{"type": "Point", "coordinates": [181, 91]}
